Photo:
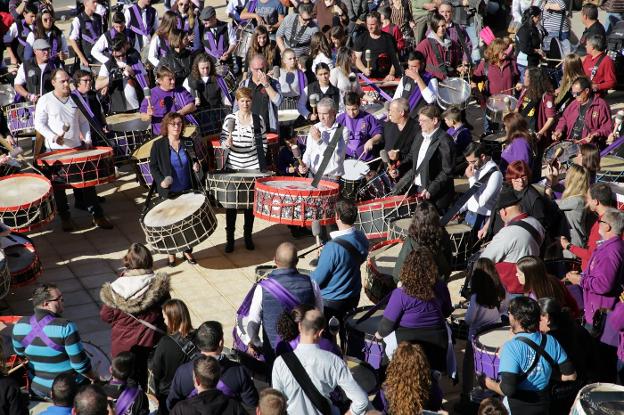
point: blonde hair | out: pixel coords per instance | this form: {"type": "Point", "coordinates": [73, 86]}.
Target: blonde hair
{"type": "Point", "coordinates": [494, 49]}
{"type": "Point", "coordinates": [244, 92]}
{"type": "Point", "coordinates": [576, 181]}
{"type": "Point", "coordinates": [572, 69]}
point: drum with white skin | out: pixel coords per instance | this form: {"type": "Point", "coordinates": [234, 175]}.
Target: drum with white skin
{"type": "Point", "coordinates": [487, 346]}
{"type": "Point", "coordinates": [355, 172]}
{"type": "Point", "coordinates": [26, 201]}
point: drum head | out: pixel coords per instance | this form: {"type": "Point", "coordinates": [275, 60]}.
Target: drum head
{"type": "Point", "coordinates": [172, 211]}
{"type": "Point", "coordinates": [401, 225]}
{"type": "Point", "coordinates": [369, 325]}
{"type": "Point", "coordinates": [457, 228]}
{"type": "Point", "coordinates": [22, 189]}
{"type": "Point", "coordinates": [72, 154]}
{"type": "Point", "coordinates": [144, 151]}
{"type": "Point", "coordinates": [354, 169]}
{"type": "Point", "coordinates": [599, 398]}
{"type": "Point", "coordinates": [288, 185]}
{"type": "Point", "coordinates": [502, 103]}
{"type": "Point", "coordinates": [375, 109]}
{"type": "Point", "coordinates": [494, 339]}
{"type": "Point", "coordinates": [17, 252]}
{"type": "Point", "coordinates": [385, 259]}
{"type": "Point", "coordinates": [612, 163]}
{"type": "Point", "coordinates": [287, 115]}
{"type": "Point", "coordinates": [454, 91]}
{"type": "Point", "coordinates": [7, 94]}
{"type": "Point", "coordinates": [569, 151]}
{"type": "Point", "coordinates": [127, 122]}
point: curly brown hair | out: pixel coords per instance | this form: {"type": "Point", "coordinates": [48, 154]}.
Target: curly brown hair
{"type": "Point", "coordinates": [408, 362]}
{"type": "Point", "coordinates": [425, 228]}
{"type": "Point", "coordinates": [419, 274]}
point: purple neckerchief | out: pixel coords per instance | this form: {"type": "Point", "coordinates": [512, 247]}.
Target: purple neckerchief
{"type": "Point", "coordinates": [370, 83]}
{"type": "Point", "coordinates": [163, 47]}
{"type": "Point", "coordinates": [25, 32]}
{"type": "Point", "coordinates": [414, 99]}
{"type": "Point", "coordinates": [139, 73]}
{"type": "Point", "coordinates": [142, 29]}
{"type": "Point", "coordinates": [615, 144]}
{"type": "Point", "coordinates": [216, 50]}
{"type": "Point", "coordinates": [126, 400]}
{"type": "Point", "coordinates": [179, 21]}
{"type": "Point", "coordinates": [302, 81]}
{"type": "Point", "coordinates": [224, 90]}
{"type": "Point", "coordinates": [84, 103]}
{"type": "Point", "coordinates": [225, 389]}
{"type": "Point", "coordinates": [92, 36]}
{"type": "Point", "coordinates": [284, 297]}
{"type": "Point", "coordinates": [37, 331]}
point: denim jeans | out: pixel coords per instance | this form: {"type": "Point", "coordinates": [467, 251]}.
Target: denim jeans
{"type": "Point", "coordinates": [475, 54]}
{"type": "Point", "coordinates": [612, 19]}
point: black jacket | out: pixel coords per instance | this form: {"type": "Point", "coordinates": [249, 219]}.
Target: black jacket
{"type": "Point", "coordinates": [160, 163]}
{"type": "Point", "coordinates": [528, 39]}
{"type": "Point", "coordinates": [179, 62]}
{"type": "Point", "coordinates": [208, 403]}
{"type": "Point", "coordinates": [140, 406]}
{"type": "Point", "coordinates": [437, 171]}
{"type": "Point", "coordinates": [401, 140]}
{"type": "Point", "coordinates": [12, 402]}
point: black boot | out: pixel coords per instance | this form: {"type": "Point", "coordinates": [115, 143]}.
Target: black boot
{"type": "Point", "coordinates": [248, 228]}
{"type": "Point", "coordinates": [230, 224]}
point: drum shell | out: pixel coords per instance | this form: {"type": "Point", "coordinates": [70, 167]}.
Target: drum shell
{"type": "Point", "coordinates": [28, 274]}
{"type": "Point", "coordinates": [496, 114]}
{"type": "Point", "coordinates": [232, 190]}
{"type": "Point", "coordinates": [350, 189]}
{"type": "Point", "coordinates": [486, 359]}
{"type": "Point", "coordinates": [378, 285]}
{"type": "Point", "coordinates": [375, 215]}
{"type": "Point", "coordinates": [458, 98]}
{"type": "Point", "coordinates": [298, 207]}
{"type": "Point", "coordinates": [126, 143]}
{"type": "Point", "coordinates": [75, 171]}
{"type": "Point", "coordinates": [244, 42]}
{"type": "Point", "coordinates": [613, 172]}
{"type": "Point", "coordinates": [363, 346]}
{"type": "Point", "coordinates": [378, 187]}
{"type": "Point", "coordinates": [21, 218]}
{"type": "Point", "coordinates": [181, 235]}
{"type": "Point", "coordinates": [21, 118]}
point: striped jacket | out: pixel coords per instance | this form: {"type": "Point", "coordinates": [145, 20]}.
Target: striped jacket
{"type": "Point", "coordinates": [46, 363]}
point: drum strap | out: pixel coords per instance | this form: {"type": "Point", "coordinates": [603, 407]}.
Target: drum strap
{"type": "Point", "coordinates": [442, 66]}
{"type": "Point", "coordinates": [293, 42]}
{"type": "Point", "coordinates": [301, 376]}
{"type": "Point", "coordinates": [540, 351]}
{"type": "Point", "coordinates": [327, 155]}
{"type": "Point", "coordinates": [354, 254]}
{"type": "Point", "coordinates": [37, 331]}
{"type": "Point", "coordinates": [126, 400]}
{"type": "Point", "coordinates": [527, 227]}
{"type": "Point", "coordinates": [466, 196]}
{"type": "Point", "coordinates": [594, 70]}
{"type": "Point", "coordinates": [259, 144]}
{"type": "Point", "coordinates": [281, 294]}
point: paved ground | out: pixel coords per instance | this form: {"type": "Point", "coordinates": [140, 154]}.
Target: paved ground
{"type": "Point", "coordinates": [80, 262]}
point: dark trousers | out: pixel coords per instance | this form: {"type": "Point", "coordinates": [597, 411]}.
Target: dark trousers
{"type": "Point", "coordinates": [86, 197]}
{"type": "Point", "coordinates": [340, 309]}
{"type": "Point", "coordinates": [230, 221]}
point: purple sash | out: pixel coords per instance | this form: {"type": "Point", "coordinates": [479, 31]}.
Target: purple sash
{"type": "Point", "coordinates": [416, 96]}
{"type": "Point", "coordinates": [125, 400]}
{"type": "Point", "coordinates": [25, 32]}
{"type": "Point", "coordinates": [37, 331]}
{"type": "Point", "coordinates": [615, 144]}
{"type": "Point", "coordinates": [302, 81]}
{"type": "Point", "coordinates": [224, 89]}
{"type": "Point", "coordinates": [88, 33]}
{"type": "Point", "coordinates": [285, 298]}
{"type": "Point", "coordinates": [139, 73]}
{"type": "Point", "coordinates": [177, 98]}
{"type": "Point", "coordinates": [216, 50]}
{"type": "Point", "coordinates": [380, 91]}
{"type": "Point", "coordinates": [252, 6]}
{"type": "Point", "coordinates": [84, 103]}
{"type": "Point", "coordinates": [225, 389]}
{"type": "Point", "coordinates": [142, 29]}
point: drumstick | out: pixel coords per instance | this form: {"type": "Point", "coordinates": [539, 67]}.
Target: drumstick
{"type": "Point", "coordinates": [552, 60]}
{"type": "Point", "coordinates": [373, 160]}
{"type": "Point", "coordinates": [21, 365]}
{"type": "Point", "coordinates": [452, 88]}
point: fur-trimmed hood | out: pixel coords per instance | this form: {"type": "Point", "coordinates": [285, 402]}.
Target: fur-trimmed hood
{"type": "Point", "coordinates": [136, 291]}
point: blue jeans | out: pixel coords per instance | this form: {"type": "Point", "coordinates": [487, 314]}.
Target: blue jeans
{"type": "Point", "coordinates": [475, 54]}
{"type": "Point", "coordinates": [521, 69]}
{"type": "Point", "coordinates": [553, 35]}
{"type": "Point", "coordinates": [474, 220]}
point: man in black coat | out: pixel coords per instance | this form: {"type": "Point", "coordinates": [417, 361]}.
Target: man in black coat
{"type": "Point", "coordinates": [399, 133]}
{"type": "Point", "coordinates": [432, 158]}
{"type": "Point", "coordinates": [209, 400]}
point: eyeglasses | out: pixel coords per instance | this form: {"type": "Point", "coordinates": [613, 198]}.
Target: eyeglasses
{"type": "Point", "coordinates": [524, 177]}
{"type": "Point", "coordinates": [86, 80]}
{"type": "Point", "coordinates": [60, 299]}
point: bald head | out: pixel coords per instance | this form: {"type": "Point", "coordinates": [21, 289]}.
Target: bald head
{"type": "Point", "coordinates": [313, 322]}
{"type": "Point", "coordinates": [286, 255]}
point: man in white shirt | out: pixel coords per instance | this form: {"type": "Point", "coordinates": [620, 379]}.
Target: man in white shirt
{"type": "Point", "coordinates": [54, 112]}
{"type": "Point", "coordinates": [101, 50]}
{"type": "Point", "coordinates": [33, 76]}
{"type": "Point", "coordinates": [86, 28]}
{"type": "Point", "coordinates": [481, 168]}
{"type": "Point", "coordinates": [325, 370]}
{"type": "Point", "coordinates": [319, 137]}
{"type": "Point", "coordinates": [142, 19]}
{"type": "Point", "coordinates": [266, 309]}
{"type": "Point", "coordinates": [15, 38]}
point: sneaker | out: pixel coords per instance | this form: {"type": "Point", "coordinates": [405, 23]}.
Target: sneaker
{"type": "Point", "coordinates": [102, 222]}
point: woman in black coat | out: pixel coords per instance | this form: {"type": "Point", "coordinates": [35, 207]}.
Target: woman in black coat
{"type": "Point", "coordinates": [179, 58]}
{"type": "Point", "coordinates": [529, 40]}
{"type": "Point", "coordinates": [173, 164]}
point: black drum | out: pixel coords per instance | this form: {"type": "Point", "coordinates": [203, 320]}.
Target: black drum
{"type": "Point", "coordinates": [234, 190]}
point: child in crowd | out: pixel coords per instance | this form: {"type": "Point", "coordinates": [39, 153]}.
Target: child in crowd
{"type": "Point", "coordinates": [461, 135]}
{"type": "Point", "coordinates": [124, 392]}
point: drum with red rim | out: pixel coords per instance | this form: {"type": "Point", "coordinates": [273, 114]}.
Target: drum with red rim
{"type": "Point", "coordinates": [128, 133]}
{"type": "Point", "coordinates": [26, 201]}
{"type": "Point", "coordinates": [293, 200]}
{"type": "Point", "coordinates": [374, 216]}
{"type": "Point", "coordinates": [79, 168]}
{"type": "Point", "coordinates": [21, 118]}
{"type": "Point", "coordinates": [221, 152]}
{"type": "Point", "coordinates": [618, 193]}
{"type": "Point", "coordinates": [379, 267]}
{"type": "Point", "coordinates": [22, 259]}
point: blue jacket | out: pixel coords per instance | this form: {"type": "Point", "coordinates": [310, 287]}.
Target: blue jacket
{"type": "Point", "coordinates": [338, 274]}
{"type": "Point", "coordinates": [57, 410]}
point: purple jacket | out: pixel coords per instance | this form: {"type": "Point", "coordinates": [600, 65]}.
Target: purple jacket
{"type": "Point", "coordinates": [518, 149]}
{"type": "Point", "coordinates": [616, 319]}
{"type": "Point", "coordinates": [164, 102]}
{"type": "Point", "coordinates": [603, 276]}
{"type": "Point", "coordinates": [361, 129]}
{"type": "Point", "coordinates": [597, 119]}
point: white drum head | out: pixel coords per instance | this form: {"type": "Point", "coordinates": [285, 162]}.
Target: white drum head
{"type": "Point", "coordinates": [174, 210]}
{"type": "Point", "coordinates": [354, 169]}
{"type": "Point", "coordinates": [284, 184]}
{"type": "Point", "coordinates": [457, 228]}
{"type": "Point", "coordinates": [611, 163]}
{"type": "Point", "coordinates": [73, 154]}
{"type": "Point", "coordinates": [496, 338]}
{"type": "Point", "coordinates": [385, 260]}
{"type": "Point", "coordinates": [21, 189]}
{"type": "Point", "coordinates": [287, 115]}
{"type": "Point", "coordinates": [402, 224]}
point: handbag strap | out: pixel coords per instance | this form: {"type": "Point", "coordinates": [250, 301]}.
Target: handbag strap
{"type": "Point", "coordinates": [259, 143]}
{"type": "Point", "coordinates": [145, 323]}
{"type": "Point", "coordinates": [540, 351]}
{"type": "Point", "coordinates": [466, 196]}
{"type": "Point", "coordinates": [301, 376]}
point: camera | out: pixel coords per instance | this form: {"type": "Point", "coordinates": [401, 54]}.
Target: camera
{"type": "Point", "coordinates": [116, 74]}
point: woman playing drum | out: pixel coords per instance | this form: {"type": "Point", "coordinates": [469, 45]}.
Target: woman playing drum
{"type": "Point", "coordinates": [242, 132]}
{"type": "Point", "coordinates": [416, 311]}
{"type": "Point", "coordinates": [537, 104]}
{"type": "Point", "coordinates": [173, 164]}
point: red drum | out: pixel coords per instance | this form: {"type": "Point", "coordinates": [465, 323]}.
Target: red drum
{"type": "Point", "coordinates": [78, 168]}
{"type": "Point", "coordinates": [21, 255]}
{"type": "Point", "coordinates": [142, 155]}
{"type": "Point", "coordinates": [26, 202]}
{"type": "Point", "coordinates": [6, 347]}
{"type": "Point", "coordinates": [618, 192]}
{"type": "Point", "coordinates": [21, 118]}
{"type": "Point", "coordinates": [220, 153]}
{"type": "Point", "coordinates": [374, 216]}
{"type": "Point", "coordinates": [293, 201]}
{"type": "Point", "coordinates": [379, 268]}
{"type": "Point", "coordinates": [128, 133]}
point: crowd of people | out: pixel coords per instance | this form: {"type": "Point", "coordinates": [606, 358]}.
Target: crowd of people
{"type": "Point", "coordinates": [546, 256]}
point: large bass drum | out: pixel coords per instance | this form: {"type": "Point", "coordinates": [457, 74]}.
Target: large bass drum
{"type": "Point", "coordinates": [235, 190]}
